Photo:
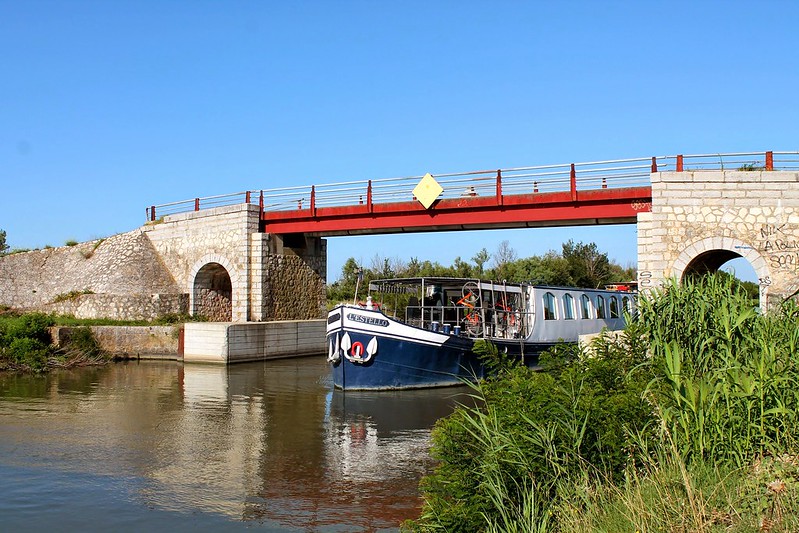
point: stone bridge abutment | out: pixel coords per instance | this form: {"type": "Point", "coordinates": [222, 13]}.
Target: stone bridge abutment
{"type": "Point", "coordinates": [234, 272]}
{"type": "Point", "coordinates": [702, 219]}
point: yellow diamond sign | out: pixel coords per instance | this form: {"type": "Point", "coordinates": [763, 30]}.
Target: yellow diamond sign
{"type": "Point", "coordinates": [427, 190]}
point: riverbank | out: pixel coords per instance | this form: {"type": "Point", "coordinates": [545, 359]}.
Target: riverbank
{"type": "Point", "coordinates": [684, 422]}
{"type": "Point", "coordinates": [35, 341]}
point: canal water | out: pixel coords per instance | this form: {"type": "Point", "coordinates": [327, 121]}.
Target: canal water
{"type": "Point", "coordinates": [155, 445]}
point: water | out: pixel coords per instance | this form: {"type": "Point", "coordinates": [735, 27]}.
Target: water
{"type": "Point", "coordinates": [159, 445]}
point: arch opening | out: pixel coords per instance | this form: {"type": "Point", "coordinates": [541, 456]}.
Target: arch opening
{"type": "Point", "coordinates": [213, 293]}
{"type": "Point", "coordinates": [732, 263]}
{"type": "Point", "coordinates": [709, 262]}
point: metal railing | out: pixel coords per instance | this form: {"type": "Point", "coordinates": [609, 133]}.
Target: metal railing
{"type": "Point", "coordinates": [570, 177]}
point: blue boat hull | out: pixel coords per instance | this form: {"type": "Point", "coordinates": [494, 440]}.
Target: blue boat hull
{"type": "Point", "coordinates": [405, 357]}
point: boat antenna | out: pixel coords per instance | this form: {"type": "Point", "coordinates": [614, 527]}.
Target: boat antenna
{"type": "Point", "coordinates": [357, 284]}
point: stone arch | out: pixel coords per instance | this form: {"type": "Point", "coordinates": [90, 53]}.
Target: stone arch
{"type": "Point", "coordinates": [212, 283]}
{"type": "Point", "coordinates": [707, 255]}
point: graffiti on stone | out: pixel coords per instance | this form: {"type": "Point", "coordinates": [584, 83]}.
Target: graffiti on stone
{"type": "Point", "coordinates": [780, 245]}
{"type": "Point", "coordinates": [769, 230]}
{"type": "Point", "coordinates": [785, 261]}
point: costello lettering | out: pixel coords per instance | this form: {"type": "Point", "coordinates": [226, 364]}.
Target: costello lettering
{"type": "Point", "coordinates": [368, 320]}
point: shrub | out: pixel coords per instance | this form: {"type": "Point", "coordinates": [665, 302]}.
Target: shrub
{"type": "Point", "coordinates": [28, 353]}
{"type": "Point", "coordinates": [33, 326]}
{"type": "Point", "coordinates": [529, 431]}
{"type": "Point", "coordinates": [685, 422]}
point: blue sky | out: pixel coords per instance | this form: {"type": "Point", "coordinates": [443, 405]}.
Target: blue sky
{"type": "Point", "coordinates": [108, 107]}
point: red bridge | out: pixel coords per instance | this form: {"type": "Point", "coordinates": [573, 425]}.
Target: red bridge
{"type": "Point", "coordinates": [601, 192]}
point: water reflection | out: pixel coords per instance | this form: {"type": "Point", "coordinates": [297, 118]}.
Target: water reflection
{"type": "Point", "coordinates": [268, 442]}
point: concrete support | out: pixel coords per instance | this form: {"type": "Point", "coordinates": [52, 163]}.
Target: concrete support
{"type": "Point", "coordinates": [226, 342]}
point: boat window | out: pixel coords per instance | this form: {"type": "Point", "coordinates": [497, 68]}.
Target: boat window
{"type": "Point", "coordinates": [568, 306]}
{"type": "Point", "coordinates": [549, 307]}
{"type": "Point", "coordinates": [585, 308]}
{"type": "Point", "coordinates": [600, 307]}
{"type": "Point", "coordinates": [627, 304]}
{"type": "Point", "coordinates": [614, 307]}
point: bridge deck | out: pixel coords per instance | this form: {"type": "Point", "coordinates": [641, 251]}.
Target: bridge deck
{"type": "Point", "coordinates": [602, 192]}
{"type": "Point", "coordinates": [603, 206]}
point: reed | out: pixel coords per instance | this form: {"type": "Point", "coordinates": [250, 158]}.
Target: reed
{"type": "Point", "coordinates": [685, 422]}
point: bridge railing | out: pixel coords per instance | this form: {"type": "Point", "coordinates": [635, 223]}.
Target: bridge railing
{"type": "Point", "coordinates": [571, 177]}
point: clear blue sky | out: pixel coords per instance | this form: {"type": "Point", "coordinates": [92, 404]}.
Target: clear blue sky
{"type": "Point", "coordinates": [107, 107]}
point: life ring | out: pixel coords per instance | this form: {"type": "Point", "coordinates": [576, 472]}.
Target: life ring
{"type": "Point", "coordinates": [357, 350]}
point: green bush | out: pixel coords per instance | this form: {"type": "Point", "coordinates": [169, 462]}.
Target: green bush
{"type": "Point", "coordinates": [33, 326]}
{"type": "Point", "coordinates": [529, 431]}
{"type": "Point", "coordinates": [685, 422]}
{"type": "Point", "coordinates": [28, 353]}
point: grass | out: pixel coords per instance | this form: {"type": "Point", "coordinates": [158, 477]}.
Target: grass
{"type": "Point", "coordinates": [686, 423]}
{"type": "Point", "coordinates": [71, 295]}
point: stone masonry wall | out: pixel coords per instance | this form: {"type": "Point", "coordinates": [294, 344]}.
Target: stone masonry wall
{"type": "Point", "coordinates": [118, 277]}
{"type": "Point", "coordinates": [754, 214]}
{"type": "Point", "coordinates": [175, 265]}
{"type": "Point", "coordinates": [121, 307]}
{"type": "Point", "coordinates": [188, 241]}
{"type": "Point", "coordinates": [287, 283]}
{"type": "Point", "coordinates": [293, 290]}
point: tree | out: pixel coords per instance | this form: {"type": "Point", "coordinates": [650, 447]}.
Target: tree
{"type": "Point", "coordinates": [587, 265]}
{"type": "Point", "coordinates": [3, 245]}
{"type": "Point", "coordinates": [344, 288]}
{"type": "Point", "coordinates": [504, 256]}
{"type": "Point", "coordinates": [549, 269]}
{"type": "Point", "coordinates": [480, 259]}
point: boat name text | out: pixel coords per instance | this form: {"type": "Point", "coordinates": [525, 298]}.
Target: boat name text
{"type": "Point", "coordinates": [368, 320]}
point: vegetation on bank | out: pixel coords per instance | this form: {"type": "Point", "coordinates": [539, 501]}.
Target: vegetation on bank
{"type": "Point", "coordinates": [687, 421]}
{"type": "Point", "coordinates": [26, 344]}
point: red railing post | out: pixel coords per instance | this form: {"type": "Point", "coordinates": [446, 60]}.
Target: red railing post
{"type": "Point", "coordinates": [679, 163]}
{"type": "Point", "coordinates": [313, 200]}
{"type": "Point", "coordinates": [573, 183]}
{"type": "Point", "coordinates": [535, 186]}
{"type": "Point", "coordinates": [499, 187]}
{"type": "Point", "coordinates": [196, 204]}
{"type": "Point", "coordinates": [654, 165]}
{"type": "Point", "coordinates": [261, 202]}
{"type": "Point", "coordinates": [152, 213]}
{"type": "Point", "coordinates": [247, 197]}
{"type": "Point", "coordinates": [769, 160]}
{"type": "Point", "coordinates": [369, 205]}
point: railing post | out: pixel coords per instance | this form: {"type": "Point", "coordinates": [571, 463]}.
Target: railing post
{"type": "Point", "coordinates": [313, 200]}
{"type": "Point", "coordinates": [499, 187]}
{"type": "Point", "coordinates": [369, 205]}
{"type": "Point", "coordinates": [152, 213]}
{"type": "Point", "coordinates": [247, 197]}
{"type": "Point", "coordinates": [261, 202]}
{"type": "Point", "coordinates": [535, 186]}
{"type": "Point", "coordinates": [769, 160]}
{"type": "Point", "coordinates": [604, 183]}
{"type": "Point", "coordinates": [679, 163]}
{"type": "Point", "coordinates": [573, 183]}
{"type": "Point", "coordinates": [196, 204]}
{"type": "Point", "coordinates": [654, 165]}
